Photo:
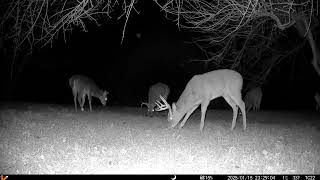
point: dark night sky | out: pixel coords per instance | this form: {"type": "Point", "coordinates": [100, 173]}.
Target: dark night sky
{"type": "Point", "coordinates": [126, 70]}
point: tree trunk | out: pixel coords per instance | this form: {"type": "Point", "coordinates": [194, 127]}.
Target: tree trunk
{"type": "Point", "coordinates": [302, 27]}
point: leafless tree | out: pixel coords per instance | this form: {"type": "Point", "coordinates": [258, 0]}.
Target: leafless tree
{"type": "Point", "coordinates": [26, 24]}
{"type": "Point", "coordinates": [240, 34]}
{"type": "Point", "coordinates": [244, 34]}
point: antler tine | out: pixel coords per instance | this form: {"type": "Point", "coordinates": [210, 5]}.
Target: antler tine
{"type": "Point", "coordinates": [158, 103]}
{"type": "Point", "coordinates": [162, 106]}
{"type": "Point", "coordinates": [143, 103]}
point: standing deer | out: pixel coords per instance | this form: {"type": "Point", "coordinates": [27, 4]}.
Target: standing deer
{"type": "Point", "coordinates": [83, 86]}
{"type": "Point", "coordinates": [317, 99]}
{"type": "Point", "coordinates": [201, 89]}
{"type": "Point", "coordinates": [154, 95]}
{"type": "Point", "coordinates": [253, 98]}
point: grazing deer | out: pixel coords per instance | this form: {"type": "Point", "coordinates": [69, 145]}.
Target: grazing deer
{"type": "Point", "coordinates": [83, 86]}
{"type": "Point", "coordinates": [253, 98]}
{"type": "Point", "coordinates": [154, 95]}
{"type": "Point", "coordinates": [201, 89]}
{"type": "Point", "coordinates": [317, 99]}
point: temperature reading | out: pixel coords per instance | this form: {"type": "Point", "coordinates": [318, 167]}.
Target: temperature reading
{"type": "Point", "coordinates": [310, 177]}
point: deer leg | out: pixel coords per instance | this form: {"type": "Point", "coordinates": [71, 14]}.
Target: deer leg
{"type": "Point", "coordinates": [187, 116]}
{"type": "Point", "coordinates": [90, 98]}
{"type": "Point", "coordinates": [244, 116]}
{"type": "Point", "coordinates": [237, 99]}
{"type": "Point", "coordinates": [83, 100]}
{"type": "Point", "coordinates": [204, 107]}
{"type": "Point", "coordinates": [248, 106]}
{"type": "Point", "coordinates": [256, 106]}
{"type": "Point", "coordinates": [75, 100]}
{"type": "Point", "coordinates": [79, 100]}
{"type": "Point", "coordinates": [234, 108]}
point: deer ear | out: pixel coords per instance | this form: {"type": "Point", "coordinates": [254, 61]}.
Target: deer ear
{"type": "Point", "coordinates": [105, 93]}
{"type": "Point", "coordinates": [174, 107]}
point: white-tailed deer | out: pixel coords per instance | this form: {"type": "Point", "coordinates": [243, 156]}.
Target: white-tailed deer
{"type": "Point", "coordinates": [317, 99]}
{"type": "Point", "coordinates": [154, 95]}
{"type": "Point", "coordinates": [201, 89]}
{"type": "Point", "coordinates": [252, 99]}
{"type": "Point", "coordinates": [83, 86]}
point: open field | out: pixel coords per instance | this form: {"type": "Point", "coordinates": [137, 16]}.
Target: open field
{"type": "Point", "coordinates": [54, 139]}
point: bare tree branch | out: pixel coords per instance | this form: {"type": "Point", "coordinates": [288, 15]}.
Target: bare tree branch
{"type": "Point", "coordinates": [25, 24]}
{"type": "Point", "coordinates": [242, 33]}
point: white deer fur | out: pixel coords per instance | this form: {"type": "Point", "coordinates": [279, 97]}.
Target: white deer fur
{"type": "Point", "coordinates": [203, 88]}
{"type": "Point", "coordinates": [83, 86]}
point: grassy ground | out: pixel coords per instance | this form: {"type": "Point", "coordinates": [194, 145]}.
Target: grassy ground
{"type": "Point", "coordinates": [44, 138]}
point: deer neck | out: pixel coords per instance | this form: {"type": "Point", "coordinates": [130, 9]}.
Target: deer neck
{"type": "Point", "coordinates": [96, 92]}
{"type": "Point", "coordinates": [185, 102]}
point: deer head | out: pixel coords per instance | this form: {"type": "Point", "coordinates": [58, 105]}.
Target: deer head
{"type": "Point", "coordinates": [103, 98]}
{"type": "Point", "coordinates": [174, 116]}
{"type": "Point", "coordinates": [149, 105]}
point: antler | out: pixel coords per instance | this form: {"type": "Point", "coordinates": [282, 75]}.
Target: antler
{"type": "Point", "coordinates": [144, 103]}
{"type": "Point", "coordinates": [162, 106]}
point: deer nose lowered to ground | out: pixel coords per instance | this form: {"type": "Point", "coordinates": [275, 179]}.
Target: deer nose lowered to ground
{"type": "Point", "coordinates": [200, 90]}
{"type": "Point", "coordinates": [154, 95]}
{"type": "Point", "coordinates": [83, 86]}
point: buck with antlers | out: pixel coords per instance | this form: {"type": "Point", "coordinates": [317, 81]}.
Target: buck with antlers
{"type": "Point", "coordinates": [83, 86]}
{"type": "Point", "coordinates": [253, 98]}
{"type": "Point", "coordinates": [154, 95]}
{"type": "Point", "coordinates": [201, 89]}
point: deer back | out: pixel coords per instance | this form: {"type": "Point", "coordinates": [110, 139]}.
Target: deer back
{"type": "Point", "coordinates": [156, 90]}
{"type": "Point", "coordinates": [208, 86]}
{"type": "Point", "coordinates": [85, 84]}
